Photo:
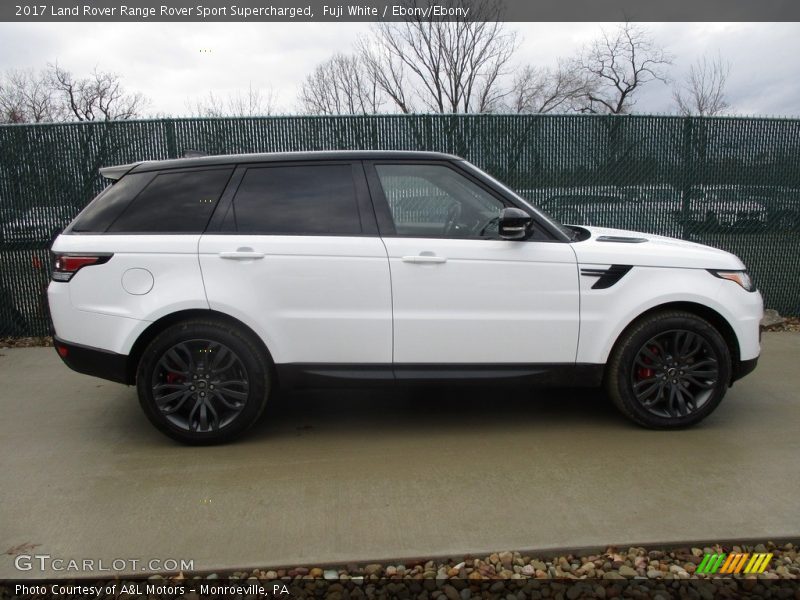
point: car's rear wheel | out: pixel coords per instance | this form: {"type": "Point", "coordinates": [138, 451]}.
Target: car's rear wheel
{"type": "Point", "coordinates": [669, 370]}
{"type": "Point", "coordinates": [203, 382]}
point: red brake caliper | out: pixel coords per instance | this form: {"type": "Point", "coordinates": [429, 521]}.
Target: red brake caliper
{"type": "Point", "coordinates": [174, 378]}
{"type": "Point", "coordinates": [647, 372]}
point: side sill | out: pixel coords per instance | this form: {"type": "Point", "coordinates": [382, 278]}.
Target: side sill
{"type": "Point", "coordinates": [93, 361]}
{"type": "Point", "coordinates": [325, 375]}
{"type": "Point", "coordinates": [320, 375]}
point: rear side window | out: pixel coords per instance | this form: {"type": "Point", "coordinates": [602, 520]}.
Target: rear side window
{"type": "Point", "coordinates": [109, 204]}
{"type": "Point", "coordinates": [174, 203]}
{"type": "Point", "coordinates": [296, 200]}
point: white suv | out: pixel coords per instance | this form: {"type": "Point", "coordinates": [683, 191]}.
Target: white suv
{"type": "Point", "coordinates": [207, 281]}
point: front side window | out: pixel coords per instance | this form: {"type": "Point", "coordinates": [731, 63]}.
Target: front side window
{"type": "Point", "coordinates": [296, 200]}
{"type": "Point", "coordinates": [436, 201]}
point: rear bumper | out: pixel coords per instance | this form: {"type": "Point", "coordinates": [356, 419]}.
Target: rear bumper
{"type": "Point", "coordinates": [93, 361]}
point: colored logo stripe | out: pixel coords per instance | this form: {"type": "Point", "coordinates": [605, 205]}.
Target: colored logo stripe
{"type": "Point", "coordinates": [759, 563]}
{"type": "Point", "coordinates": [710, 563]}
{"type": "Point", "coordinates": [734, 563]}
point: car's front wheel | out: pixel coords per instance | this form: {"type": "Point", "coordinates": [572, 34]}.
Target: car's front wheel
{"type": "Point", "coordinates": [670, 369]}
{"type": "Point", "coordinates": [203, 382]}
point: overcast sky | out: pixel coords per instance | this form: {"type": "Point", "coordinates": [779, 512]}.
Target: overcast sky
{"type": "Point", "coordinates": [165, 62]}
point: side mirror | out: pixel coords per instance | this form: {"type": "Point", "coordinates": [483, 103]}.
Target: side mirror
{"type": "Point", "coordinates": [514, 224]}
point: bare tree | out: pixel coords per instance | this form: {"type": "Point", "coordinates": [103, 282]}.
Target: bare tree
{"type": "Point", "coordinates": [341, 85]}
{"type": "Point", "coordinates": [386, 70]}
{"type": "Point", "coordinates": [55, 94]}
{"type": "Point", "coordinates": [441, 66]}
{"type": "Point", "coordinates": [617, 65]}
{"type": "Point", "coordinates": [251, 102]}
{"type": "Point", "coordinates": [544, 90]}
{"type": "Point", "coordinates": [27, 97]}
{"type": "Point", "coordinates": [98, 97]}
{"type": "Point", "coordinates": [702, 92]}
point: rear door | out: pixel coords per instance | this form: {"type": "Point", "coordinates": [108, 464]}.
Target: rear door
{"type": "Point", "coordinates": [293, 251]}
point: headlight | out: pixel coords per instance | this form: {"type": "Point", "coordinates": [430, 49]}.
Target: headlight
{"type": "Point", "coordinates": [740, 277]}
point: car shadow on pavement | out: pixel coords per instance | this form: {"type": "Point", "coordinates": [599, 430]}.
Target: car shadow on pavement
{"type": "Point", "coordinates": [437, 408]}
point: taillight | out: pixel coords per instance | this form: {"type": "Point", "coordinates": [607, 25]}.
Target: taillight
{"type": "Point", "coordinates": [66, 265]}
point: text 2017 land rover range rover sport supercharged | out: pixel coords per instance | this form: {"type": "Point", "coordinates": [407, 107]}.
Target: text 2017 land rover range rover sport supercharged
{"type": "Point", "coordinates": [208, 281]}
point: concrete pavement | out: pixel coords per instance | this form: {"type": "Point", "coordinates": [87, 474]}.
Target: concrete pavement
{"type": "Point", "coordinates": [353, 476]}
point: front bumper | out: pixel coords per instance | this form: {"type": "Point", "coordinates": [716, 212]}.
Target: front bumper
{"type": "Point", "coordinates": [745, 367]}
{"type": "Point", "coordinates": [94, 362]}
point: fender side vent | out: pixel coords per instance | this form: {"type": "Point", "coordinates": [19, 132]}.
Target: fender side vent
{"type": "Point", "coordinates": [607, 277]}
{"type": "Point", "coordinates": [621, 239]}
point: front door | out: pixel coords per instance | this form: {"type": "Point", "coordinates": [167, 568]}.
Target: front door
{"type": "Point", "coordinates": [461, 295]}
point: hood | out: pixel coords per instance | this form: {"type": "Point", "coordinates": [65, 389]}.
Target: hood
{"type": "Point", "coordinates": [617, 246]}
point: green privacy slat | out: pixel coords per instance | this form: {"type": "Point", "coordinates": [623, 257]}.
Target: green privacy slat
{"type": "Point", "coordinates": [733, 183]}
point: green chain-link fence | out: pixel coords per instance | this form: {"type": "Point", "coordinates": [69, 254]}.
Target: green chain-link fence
{"type": "Point", "coordinates": [733, 183]}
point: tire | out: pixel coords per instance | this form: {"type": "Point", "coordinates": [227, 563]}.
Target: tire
{"type": "Point", "coordinates": [669, 370]}
{"type": "Point", "coordinates": [179, 381]}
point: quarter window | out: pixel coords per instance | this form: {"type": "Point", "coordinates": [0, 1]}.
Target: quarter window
{"type": "Point", "coordinates": [296, 200]}
{"type": "Point", "coordinates": [110, 203]}
{"type": "Point", "coordinates": [174, 203]}
{"type": "Point", "coordinates": [435, 200]}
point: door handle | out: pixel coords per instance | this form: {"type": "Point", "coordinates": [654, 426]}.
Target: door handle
{"type": "Point", "coordinates": [242, 254]}
{"type": "Point", "coordinates": [424, 259]}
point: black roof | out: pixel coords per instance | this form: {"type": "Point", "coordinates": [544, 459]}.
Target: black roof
{"type": "Point", "coordinates": [118, 171]}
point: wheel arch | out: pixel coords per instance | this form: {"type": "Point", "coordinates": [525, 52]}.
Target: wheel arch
{"type": "Point", "coordinates": [156, 327]}
{"type": "Point", "coordinates": [704, 312]}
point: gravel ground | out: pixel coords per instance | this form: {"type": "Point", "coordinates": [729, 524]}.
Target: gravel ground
{"type": "Point", "coordinates": [633, 573]}
{"type": "Point", "coordinates": [25, 342]}
{"type": "Point", "coordinates": [789, 324]}
{"type": "Point", "coordinates": [677, 563]}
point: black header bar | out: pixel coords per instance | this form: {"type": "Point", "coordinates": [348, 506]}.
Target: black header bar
{"type": "Point", "coordinates": [389, 10]}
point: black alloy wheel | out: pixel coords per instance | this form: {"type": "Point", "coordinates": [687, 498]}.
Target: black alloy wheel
{"type": "Point", "coordinates": [669, 369]}
{"type": "Point", "coordinates": [200, 385]}
{"type": "Point", "coordinates": [675, 373]}
{"type": "Point", "coordinates": [203, 381]}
